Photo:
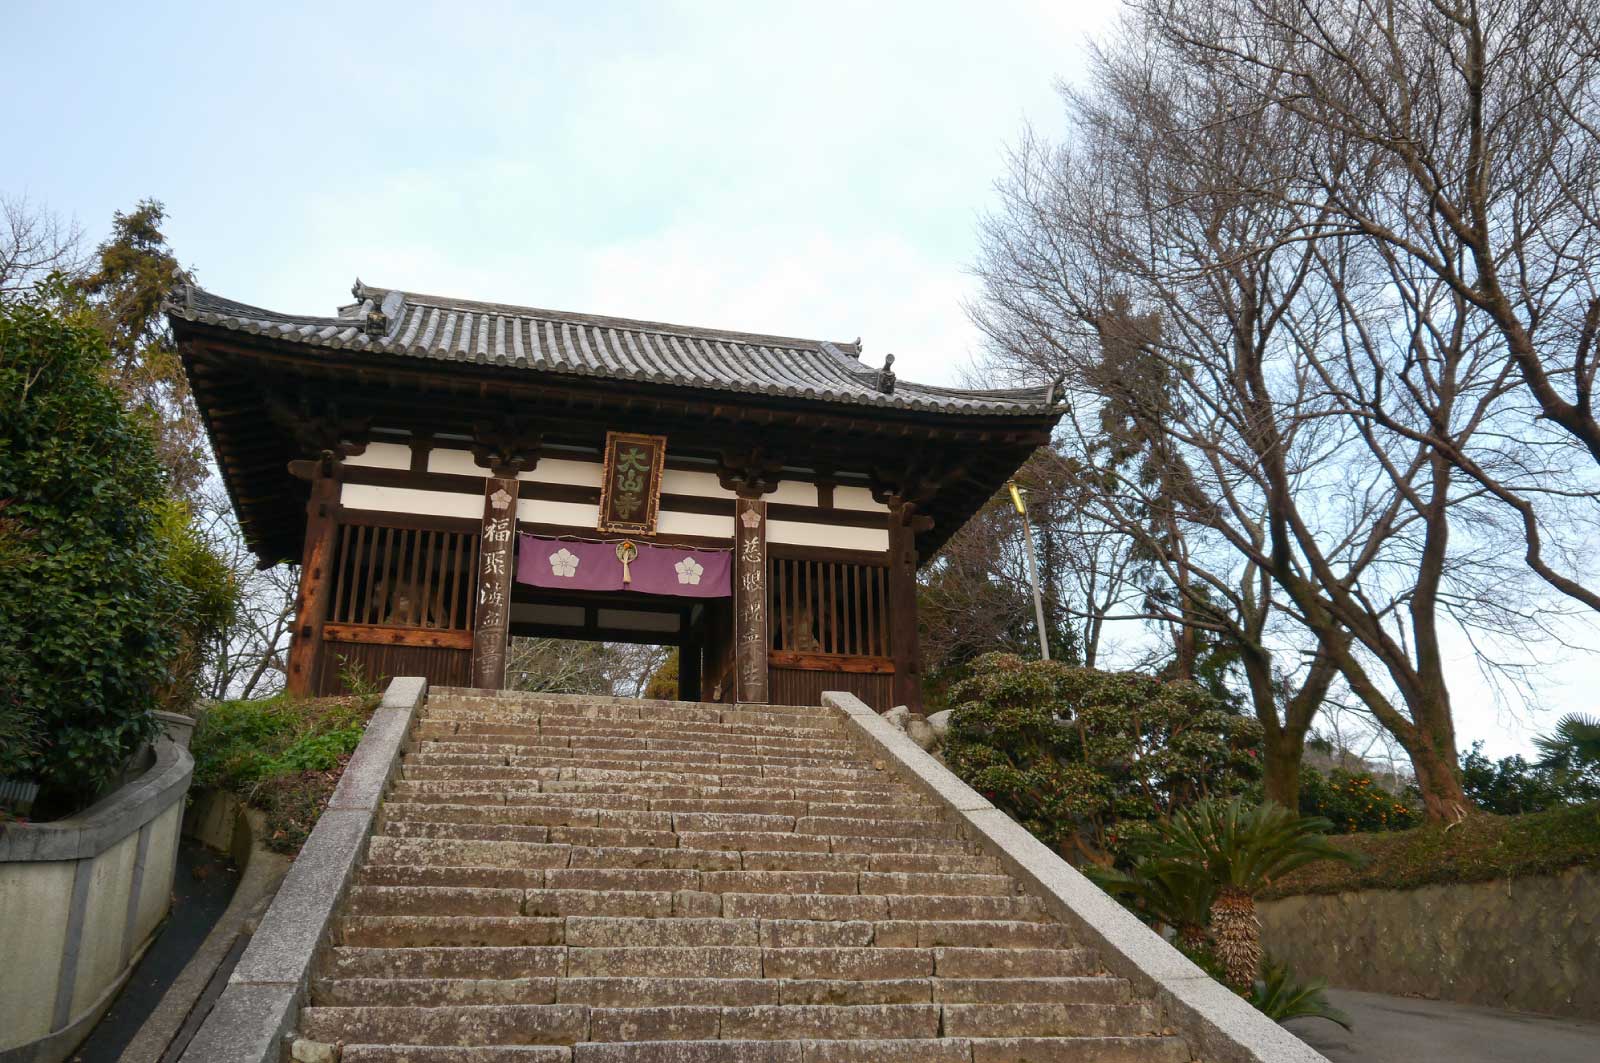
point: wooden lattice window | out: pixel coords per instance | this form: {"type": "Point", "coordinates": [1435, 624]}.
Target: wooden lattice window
{"type": "Point", "coordinates": [821, 607]}
{"type": "Point", "coordinates": [404, 577]}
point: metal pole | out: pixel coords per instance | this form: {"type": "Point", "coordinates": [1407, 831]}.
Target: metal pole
{"type": "Point", "coordinates": [1033, 571]}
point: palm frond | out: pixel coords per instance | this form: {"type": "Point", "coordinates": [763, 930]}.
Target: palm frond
{"type": "Point", "coordinates": [1279, 997]}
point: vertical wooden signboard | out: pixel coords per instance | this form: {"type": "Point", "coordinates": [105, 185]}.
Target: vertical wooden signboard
{"type": "Point", "coordinates": [750, 599]}
{"type": "Point", "coordinates": [630, 484]}
{"type": "Point", "coordinates": [489, 632]}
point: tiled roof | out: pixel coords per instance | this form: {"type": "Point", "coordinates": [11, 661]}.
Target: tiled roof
{"type": "Point", "coordinates": [407, 324]}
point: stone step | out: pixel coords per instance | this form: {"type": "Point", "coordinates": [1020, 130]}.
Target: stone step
{"type": "Point", "coordinates": [1050, 1020]}
{"type": "Point", "coordinates": [571, 810]}
{"type": "Point", "coordinates": [853, 780]}
{"type": "Point", "coordinates": [943, 1050]}
{"type": "Point", "coordinates": [617, 717]}
{"type": "Point", "coordinates": [566, 748]}
{"type": "Point", "coordinates": [881, 794]}
{"type": "Point", "coordinates": [513, 697]}
{"type": "Point", "coordinates": [654, 992]}
{"type": "Point", "coordinates": [613, 830]}
{"type": "Point", "coordinates": [429, 963]}
{"type": "Point", "coordinates": [570, 880]}
{"type": "Point", "coordinates": [465, 736]}
{"type": "Point", "coordinates": [516, 1023]}
{"type": "Point", "coordinates": [626, 709]}
{"type": "Point", "coordinates": [384, 917]}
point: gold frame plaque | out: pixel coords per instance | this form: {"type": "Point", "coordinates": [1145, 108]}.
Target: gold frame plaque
{"type": "Point", "coordinates": [630, 483]}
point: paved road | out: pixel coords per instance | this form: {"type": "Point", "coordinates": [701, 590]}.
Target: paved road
{"type": "Point", "coordinates": [1406, 1030]}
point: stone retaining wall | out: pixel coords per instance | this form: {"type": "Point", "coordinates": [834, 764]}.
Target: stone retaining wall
{"type": "Point", "coordinates": [80, 898]}
{"type": "Point", "coordinates": [1530, 944]}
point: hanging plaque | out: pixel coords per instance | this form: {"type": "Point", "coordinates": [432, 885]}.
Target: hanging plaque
{"type": "Point", "coordinates": [630, 491]}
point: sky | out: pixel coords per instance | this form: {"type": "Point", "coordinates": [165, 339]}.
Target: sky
{"type": "Point", "coordinates": [812, 169]}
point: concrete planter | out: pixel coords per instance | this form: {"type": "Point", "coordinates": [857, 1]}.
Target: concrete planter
{"type": "Point", "coordinates": [80, 899]}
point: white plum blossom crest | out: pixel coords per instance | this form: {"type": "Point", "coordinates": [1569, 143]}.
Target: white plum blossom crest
{"type": "Point", "coordinates": [564, 563]}
{"type": "Point", "coordinates": [689, 571]}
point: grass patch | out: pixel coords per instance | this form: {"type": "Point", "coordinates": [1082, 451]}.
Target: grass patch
{"type": "Point", "coordinates": [281, 755]}
{"type": "Point", "coordinates": [1479, 849]}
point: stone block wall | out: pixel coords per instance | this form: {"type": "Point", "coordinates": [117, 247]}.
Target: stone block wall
{"type": "Point", "coordinates": [1529, 944]}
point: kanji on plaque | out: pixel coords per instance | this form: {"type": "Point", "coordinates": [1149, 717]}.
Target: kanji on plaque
{"type": "Point", "coordinates": [630, 487]}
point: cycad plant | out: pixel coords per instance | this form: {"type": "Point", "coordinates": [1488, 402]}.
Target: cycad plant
{"type": "Point", "coordinates": [1240, 849]}
{"type": "Point", "coordinates": [1280, 998]}
{"type": "Point", "coordinates": [1168, 892]}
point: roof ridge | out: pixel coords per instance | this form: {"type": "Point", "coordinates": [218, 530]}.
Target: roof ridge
{"type": "Point", "coordinates": [627, 324]}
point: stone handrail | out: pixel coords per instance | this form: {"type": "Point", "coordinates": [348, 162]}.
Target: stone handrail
{"type": "Point", "coordinates": [1218, 1025]}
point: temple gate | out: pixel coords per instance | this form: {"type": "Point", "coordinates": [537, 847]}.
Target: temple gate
{"type": "Point", "coordinates": [452, 473]}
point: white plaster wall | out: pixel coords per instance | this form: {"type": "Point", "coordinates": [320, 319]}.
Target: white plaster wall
{"type": "Point", "coordinates": [382, 456]}
{"type": "Point", "coordinates": [710, 525]}
{"type": "Point", "coordinates": [455, 463]}
{"type": "Point", "coordinates": [544, 511]}
{"type": "Point", "coordinates": [564, 471]}
{"type": "Point", "coordinates": [857, 498]}
{"type": "Point", "coordinates": [34, 898]}
{"type": "Point", "coordinates": [688, 482]}
{"type": "Point", "coordinates": [799, 533]}
{"type": "Point", "coordinates": [411, 500]}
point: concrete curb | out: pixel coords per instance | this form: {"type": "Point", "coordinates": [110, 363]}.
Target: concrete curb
{"type": "Point", "coordinates": [264, 992]}
{"type": "Point", "coordinates": [1219, 1026]}
{"type": "Point", "coordinates": [263, 871]}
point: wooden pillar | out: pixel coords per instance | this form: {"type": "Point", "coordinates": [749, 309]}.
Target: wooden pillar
{"type": "Point", "coordinates": [316, 574]}
{"type": "Point", "coordinates": [903, 646]}
{"type": "Point", "coordinates": [496, 552]}
{"type": "Point", "coordinates": [750, 599]}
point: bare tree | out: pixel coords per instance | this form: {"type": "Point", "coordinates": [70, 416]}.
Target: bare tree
{"type": "Point", "coordinates": [1167, 262]}
{"type": "Point", "coordinates": [34, 242]}
{"type": "Point", "coordinates": [1461, 140]}
{"type": "Point", "coordinates": [247, 659]}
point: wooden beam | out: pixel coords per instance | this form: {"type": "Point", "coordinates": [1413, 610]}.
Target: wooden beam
{"type": "Point", "coordinates": [377, 635]}
{"type": "Point", "coordinates": [831, 662]}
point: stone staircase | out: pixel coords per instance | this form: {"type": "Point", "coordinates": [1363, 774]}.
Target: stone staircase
{"type": "Point", "coordinates": [593, 880]}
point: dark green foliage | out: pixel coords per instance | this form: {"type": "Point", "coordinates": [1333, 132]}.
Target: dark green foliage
{"type": "Point", "coordinates": [1091, 759]}
{"type": "Point", "coordinates": [1572, 754]}
{"type": "Point", "coordinates": [1164, 893]}
{"type": "Point", "coordinates": [282, 755]}
{"type": "Point", "coordinates": [135, 271]}
{"type": "Point", "coordinates": [1511, 786]}
{"type": "Point", "coordinates": [1478, 849]}
{"type": "Point", "coordinates": [211, 603]}
{"type": "Point", "coordinates": [1241, 845]}
{"type": "Point", "coordinates": [89, 610]}
{"type": "Point", "coordinates": [1280, 998]}
{"type": "Point", "coordinates": [1353, 801]}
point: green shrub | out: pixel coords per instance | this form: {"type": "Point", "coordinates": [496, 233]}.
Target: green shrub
{"type": "Point", "coordinates": [89, 612]}
{"type": "Point", "coordinates": [1089, 760]}
{"type": "Point", "coordinates": [1511, 786]}
{"type": "Point", "coordinates": [1352, 801]}
{"type": "Point", "coordinates": [282, 755]}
